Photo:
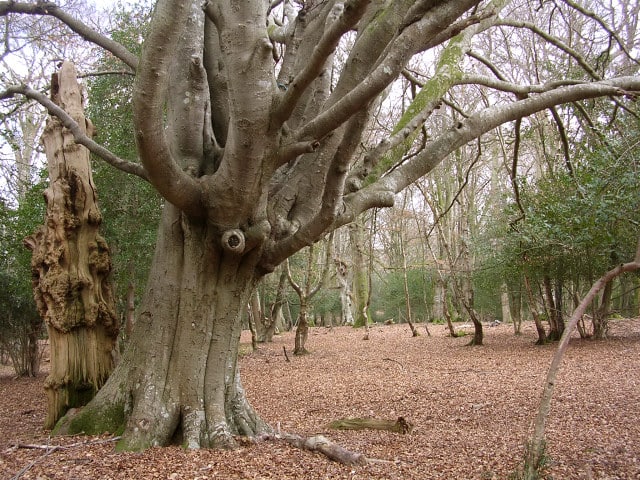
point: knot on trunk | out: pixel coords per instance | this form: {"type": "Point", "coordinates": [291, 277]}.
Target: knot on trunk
{"type": "Point", "coordinates": [233, 241]}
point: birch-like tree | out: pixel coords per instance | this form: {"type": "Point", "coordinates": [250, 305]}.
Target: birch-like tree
{"type": "Point", "coordinates": [252, 131]}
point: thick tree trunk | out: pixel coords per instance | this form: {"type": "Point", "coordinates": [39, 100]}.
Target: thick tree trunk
{"type": "Point", "coordinates": [178, 380]}
{"type": "Point", "coordinates": [71, 264]}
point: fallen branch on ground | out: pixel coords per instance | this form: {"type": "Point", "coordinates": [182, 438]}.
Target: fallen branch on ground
{"type": "Point", "coordinates": [392, 360]}
{"type": "Point", "coordinates": [54, 448]}
{"type": "Point", "coordinates": [399, 426]}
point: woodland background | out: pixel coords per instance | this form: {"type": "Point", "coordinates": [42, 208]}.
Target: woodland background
{"type": "Point", "coordinates": [532, 216]}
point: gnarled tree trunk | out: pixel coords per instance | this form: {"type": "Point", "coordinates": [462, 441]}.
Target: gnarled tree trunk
{"type": "Point", "coordinates": [71, 264]}
{"type": "Point", "coordinates": [179, 381]}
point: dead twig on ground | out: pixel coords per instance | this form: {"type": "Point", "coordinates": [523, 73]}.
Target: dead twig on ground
{"type": "Point", "coordinates": [54, 448]}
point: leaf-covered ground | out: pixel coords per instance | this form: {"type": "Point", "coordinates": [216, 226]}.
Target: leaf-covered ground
{"type": "Point", "coordinates": [471, 408]}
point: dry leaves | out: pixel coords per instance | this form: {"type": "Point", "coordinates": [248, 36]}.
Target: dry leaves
{"type": "Point", "coordinates": [471, 408]}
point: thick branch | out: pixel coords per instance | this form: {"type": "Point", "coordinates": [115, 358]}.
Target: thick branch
{"type": "Point", "coordinates": [409, 42]}
{"type": "Point", "coordinates": [149, 95]}
{"type": "Point", "coordinates": [79, 27]}
{"type": "Point", "coordinates": [78, 134]}
{"type": "Point", "coordinates": [490, 118]}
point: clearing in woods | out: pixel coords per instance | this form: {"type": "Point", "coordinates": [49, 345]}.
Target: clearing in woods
{"type": "Point", "coordinates": [471, 410]}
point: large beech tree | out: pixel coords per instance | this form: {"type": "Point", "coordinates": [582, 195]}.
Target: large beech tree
{"type": "Point", "coordinates": [252, 128]}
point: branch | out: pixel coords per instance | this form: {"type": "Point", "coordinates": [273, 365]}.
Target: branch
{"type": "Point", "coordinates": [149, 95]}
{"type": "Point", "coordinates": [402, 48]}
{"type": "Point", "coordinates": [514, 88]}
{"type": "Point", "coordinates": [492, 117]}
{"type": "Point", "coordinates": [78, 135]}
{"type": "Point", "coordinates": [79, 27]}
{"type": "Point", "coordinates": [603, 24]}
{"type": "Point", "coordinates": [321, 444]}
{"type": "Point", "coordinates": [353, 11]}
{"type": "Point", "coordinates": [555, 42]}
{"type": "Point", "coordinates": [563, 138]}
{"type": "Point", "coordinates": [545, 401]}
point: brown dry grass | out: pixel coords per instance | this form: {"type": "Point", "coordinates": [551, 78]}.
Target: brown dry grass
{"type": "Point", "coordinates": [471, 407]}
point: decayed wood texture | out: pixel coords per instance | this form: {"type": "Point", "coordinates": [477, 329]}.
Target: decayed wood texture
{"type": "Point", "coordinates": [71, 263]}
{"type": "Point", "coordinates": [400, 425]}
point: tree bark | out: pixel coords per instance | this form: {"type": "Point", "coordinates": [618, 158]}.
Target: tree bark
{"type": "Point", "coordinates": [71, 264]}
{"type": "Point", "coordinates": [542, 335]}
{"type": "Point", "coordinates": [178, 382]}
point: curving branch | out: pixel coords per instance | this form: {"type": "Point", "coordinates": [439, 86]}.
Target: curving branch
{"type": "Point", "coordinates": [562, 131]}
{"type": "Point", "coordinates": [78, 135]}
{"type": "Point", "coordinates": [149, 95]}
{"type": "Point", "coordinates": [471, 128]}
{"type": "Point", "coordinates": [77, 26]}
{"type": "Point", "coordinates": [407, 43]}
{"type": "Point", "coordinates": [603, 24]}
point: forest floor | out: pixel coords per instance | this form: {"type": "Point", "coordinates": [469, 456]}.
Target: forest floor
{"type": "Point", "coordinates": [471, 407]}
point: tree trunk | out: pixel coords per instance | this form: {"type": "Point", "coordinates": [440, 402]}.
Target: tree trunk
{"type": "Point", "coordinates": [600, 321]}
{"type": "Point", "coordinates": [542, 335]}
{"type": "Point", "coordinates": [554, 321]}
{"type": "Point", "coordinates": [360, 277]}
{"type": "Point", "coordinates": [178, 381]}
{"type": "Point", "coordinates": [71, 264]}
{"type": "Point", "coordinates": [346, 298]}
{"type": "Point", "coordinates": [438, 299]}
{"type": "Point", "coordinates": [302, 331]}
{"type": "Point", "coordinates": [130, 314]}
{"type": "Point", "coordinates": [276, 317]}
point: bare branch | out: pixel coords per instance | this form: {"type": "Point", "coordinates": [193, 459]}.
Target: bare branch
{"type": "Point", "coordinates": [555, 42]}
{"type": "Point", "coordinates": [78, 135]}
{"type": "Point", "coordinates": [79, 27]}
{"type": "Point", "coordinates": [545, 401]}
{"type": "Point", "coordinates": [353, 11]}
{"type": "Point", "coordinates": [603, 24]}
{"type": "Point", "coordinates": [490, 118]}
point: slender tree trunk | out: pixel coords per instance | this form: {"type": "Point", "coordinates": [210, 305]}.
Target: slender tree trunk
{"type": "Point", "coordinates": [71, 264]}
{"type": "Point", "coordinates": [346, 298]}
{"type": "Point", "coordinates": [33, 351]}
{"type": "Point", "coordinates": [439, 299]}
{"type": "Point", "coordinates": [302, 331]}
{"type": "Point", "coordinates": [178, 380]}
{"type": "Point", "coordinates": [504, 303]}
{"type": "Point", "coordinates": [447, 316]}
{"type": "Point", "coordinates": [542, 335]}
{"type": "Point", "coordinates": [537, 445]}
{"type": "Point", "coordinates": [407, 296]}
{"type": "Point", "coordinates": [554, 322]}
{"type": "Point", "coordinates": [360, 278]}
{"type": "Point", "coordinates": [600, 321]}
